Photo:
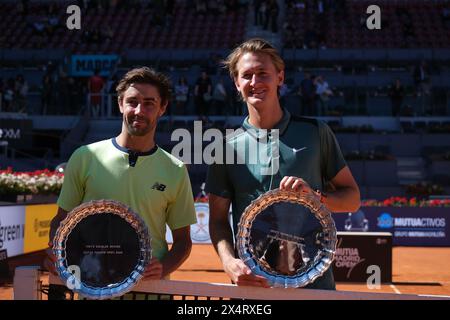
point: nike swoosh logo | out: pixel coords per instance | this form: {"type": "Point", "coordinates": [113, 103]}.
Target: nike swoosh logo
{"type": "Point", "coordinates": [298, 150]}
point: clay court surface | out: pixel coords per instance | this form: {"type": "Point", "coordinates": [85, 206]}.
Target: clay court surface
{"type": "Point", "coordinates": [416, 270]}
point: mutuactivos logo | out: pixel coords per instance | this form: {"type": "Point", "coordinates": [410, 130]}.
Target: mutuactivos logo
{"type": "Point", "coordinates": [385, 221]}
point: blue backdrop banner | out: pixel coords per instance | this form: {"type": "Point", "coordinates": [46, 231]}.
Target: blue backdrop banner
{"type": "Point", "coordinates": [410, 226]}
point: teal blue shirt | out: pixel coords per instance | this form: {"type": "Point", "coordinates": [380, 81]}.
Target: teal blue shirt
{"type": "Point", "coordinates": [307, 148]}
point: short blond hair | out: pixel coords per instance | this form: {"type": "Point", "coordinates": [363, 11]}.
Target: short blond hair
{"type": "Point", "coordinates": [255, 45]}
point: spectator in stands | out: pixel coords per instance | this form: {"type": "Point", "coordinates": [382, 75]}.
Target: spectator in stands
{"type": "Point", "coordinates": [320, 7]}
{"type": "Point", "coordinates": [63, 94]}
{"type": "Point", "coordinates": [420, 75]}
{"type": "Point", "coordinates": [258, 72]}
{"type": "Point", "coordinates": [219, 104]}
{"type": "Point", "coordinates": [298, 5]}
{"type": "Point", "coordinates": [307, 92]}
{"type": "Point", "coordinates": [77, 94]}
{"type": "Point", "coordinates": [2, 93]}
{"type": "Point", "coordinates": [38, 26]}
{"type": "Point", "coordinates": [311, 39]}
{"type": "Point", "coordinates": [181, 96]}
{"type": "Point", "coordinates": [262, 13]}
{"type": "Point", "coordinates": [283, 92]}
{"type": "Point", "coordinates": [159, 13]}
{"type": "Point", "coordinates": [202, 93]}
{"type": "Point", "coordinates": [108, 33]}
{"type": "Point", "coordinates": [256, 5]}
{"type": "Point", "coordinates": [23, 8]}
{"type": "Point", "coordinates": [52, 19]}
{"type": "Point", "coordinates": [111, 89]}
{"type": "Point", "coordinates": [46, 94]}
{"type": "Point", "coordinates": [8, 95]}
{"type": "Point", "coordinates": [407, 26]}
{"type": "Point", "coordinates": [445, 15]}
{"type": "Point", "coordinates": [272, 16]}
{"type": "Point", "coordinates": [293, 38]}
{"type": "Point", "coordinates": [20, 94]}
{"type": "Point", "coordinates": [396, 94]}
{"type": "Point", "coordinates": [323, 93]}
{"type": "Point", "coordinates": [86, 36]}
{"type": "Point", "coordinates": [95, 87]}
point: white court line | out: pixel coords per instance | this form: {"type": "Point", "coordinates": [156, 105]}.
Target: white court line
{"type": "Point", "coordinates": [395, 289]}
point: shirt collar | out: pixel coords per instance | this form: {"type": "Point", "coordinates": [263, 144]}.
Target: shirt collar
{"type": "Point", "coordinates": [136, 153]}
{"type": "Point", "coordinates": [281, 125]}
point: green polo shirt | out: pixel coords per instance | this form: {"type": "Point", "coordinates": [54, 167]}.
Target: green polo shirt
{"type": "Point", "coordinates": [155, 185]}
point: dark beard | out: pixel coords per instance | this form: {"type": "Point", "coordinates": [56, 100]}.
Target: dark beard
{"type": "Point", "coordinates": [138, 132]}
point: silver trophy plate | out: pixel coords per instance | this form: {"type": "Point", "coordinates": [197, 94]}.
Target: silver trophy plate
{"type": "Point", "coordinates": [102, 249]}
{"type": "Point", "coordinates": [289, 239]}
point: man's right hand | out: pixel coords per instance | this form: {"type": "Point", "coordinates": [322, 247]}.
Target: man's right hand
{"type": "Point", "coordinates": [242, 275]}
{"type": "Point", "coordinates": [50, 260]}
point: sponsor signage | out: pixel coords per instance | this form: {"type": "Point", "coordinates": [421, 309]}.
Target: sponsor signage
{"type": "Point", "coordinates": [17, 132]}
{"type": "Point", "coordinates": [85, 65]}
{"type": "Point", "coordinates": [358, 252]}
{"type": "Point", "coordinates": [12, 229]}
{"type": "Point", "coordinates": [409, 226]}
{"type": "Point", "coordinates": [37, 220]}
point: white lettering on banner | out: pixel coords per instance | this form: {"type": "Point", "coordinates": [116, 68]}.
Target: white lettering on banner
{"type": "Point", "coordinates": [347, 258]}
{"type": "Point", "coordinates": [10, 133]}
{"type": "Point", "coordinates": [420, 234]}
{"type": "Point", "coordinates": [420, 222]}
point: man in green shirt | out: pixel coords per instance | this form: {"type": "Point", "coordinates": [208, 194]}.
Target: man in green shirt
{"type": "Point", "coordinates": [132, 169]}
{"type": "Point", "coordinates": [303, 152]}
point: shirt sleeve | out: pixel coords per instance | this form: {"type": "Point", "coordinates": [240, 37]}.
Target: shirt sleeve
{"type": "Point", "coordinates": [181, 211]}
{"type": "Point", "coordinates": [73, 188]}
{"type": "Point", "coordinates": [217, 181]}
{"type": "Point", "coordinates": [332, 160]}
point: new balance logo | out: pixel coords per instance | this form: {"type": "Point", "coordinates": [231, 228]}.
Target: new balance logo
{"type": "Point", "coordinates": [159, 186]}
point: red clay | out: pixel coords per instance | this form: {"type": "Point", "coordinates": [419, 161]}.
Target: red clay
{"type": "Point", "coordinates": [416, 270]}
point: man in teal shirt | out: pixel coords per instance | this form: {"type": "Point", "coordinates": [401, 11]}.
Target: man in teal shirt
{"type": "Point", "coordinates": [306, 157]}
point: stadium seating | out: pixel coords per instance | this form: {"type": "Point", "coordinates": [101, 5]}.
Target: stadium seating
{"type": "Point", "coordinates": [130, 29]}
{"type": "Point", "coordinates": [348, 28]}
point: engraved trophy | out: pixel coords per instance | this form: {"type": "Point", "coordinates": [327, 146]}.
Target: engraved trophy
{"type": "Point", "coordinates": [102, 249]}
{"type": "Point", "coordinates": [289, 239]}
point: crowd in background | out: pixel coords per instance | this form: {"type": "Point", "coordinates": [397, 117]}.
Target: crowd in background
{"type": "Point", "coordinates": [211, 93]}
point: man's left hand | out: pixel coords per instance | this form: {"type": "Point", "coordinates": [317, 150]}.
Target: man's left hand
{"type": "Point", "coordinates": [154, 270]}
{"type": "Point", "coordinates": [296, 184]}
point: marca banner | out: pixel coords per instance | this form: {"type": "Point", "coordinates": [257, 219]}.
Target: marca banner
{"type": "Point", "coordinates": [12, 229]}
{"type": "Point", "coordinates": [37, 220]}
{"type": "Point", "coordinates": [409, 226]}
{"type": "Point", "coordinates": [85, 65]}
{"type": "Point", "coordinates": [200, 230]}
